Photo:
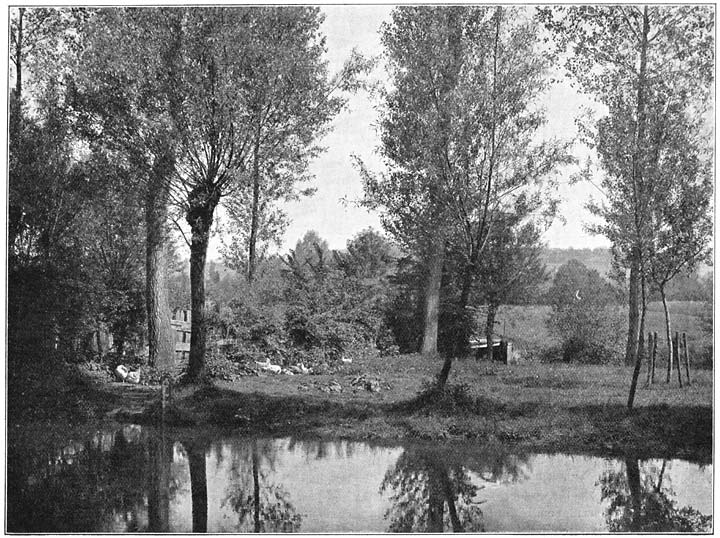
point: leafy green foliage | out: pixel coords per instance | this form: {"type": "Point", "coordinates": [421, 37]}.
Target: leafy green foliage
{"type": "Point", "coordinates": [335, 302]}
{"type": "Point", "coordinates": [585, 315]}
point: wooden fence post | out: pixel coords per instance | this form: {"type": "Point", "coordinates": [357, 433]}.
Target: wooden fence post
{"type": "Point", "coordinates": [675, 345]}
{"type": "Point", "coordinates": [649, 358]}
{"type": "Point", "coordinates": [687, 358]}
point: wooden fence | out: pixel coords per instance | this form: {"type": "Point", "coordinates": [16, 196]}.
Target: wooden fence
{"type": "Point", "coordinates": [181, 320]}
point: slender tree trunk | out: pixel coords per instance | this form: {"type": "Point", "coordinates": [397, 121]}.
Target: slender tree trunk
{"type": "Point", "coordinates": [668, 333]}
{"type": "Point", "coordinates": [652, 361]}
{"type": "Point", "coordinates": [636, 268]}
{"type": "Point", "coordinates": [161, 344]}
{"type": "Point", "coordinates": [200, 218]}
{"type": "Point", "coordinates": [198, 487]}
{"type": "Point", "coordinates": [490, 329]}
{"type": "Point", "coordinates": [432, 297]}
{"type": "Point", "coordinates": [633, 476]}
{"type": "Point", "coordinates": [16, 103]}
{"type": "Point", "coordinates": [450, 497]}
{"type": "Point", "coordinates": [461, 345]}
{"type": "Point", "coordinates": [436, 502]}
{"type": "Point", "coordinates": [18, 57]}
{"type": "Point", "coordinates": [633, 310]}
{"type": "Point", "coordinates": [255, 213]}
{"type": "Point", "coordinates": [660, 477]}
{"type": "Point", "coordinates": [641, 348]}
{"type": "Point", "coordinates": [477, 242]}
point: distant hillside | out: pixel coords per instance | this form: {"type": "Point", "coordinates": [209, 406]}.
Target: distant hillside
{"type": "Point", "coordinates": [593, 258]}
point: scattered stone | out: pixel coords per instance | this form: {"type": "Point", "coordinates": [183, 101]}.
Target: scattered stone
{"type": "Point", "coordinates": [332, 387]}
{"type": "Point", "coordinates": [369, 384]}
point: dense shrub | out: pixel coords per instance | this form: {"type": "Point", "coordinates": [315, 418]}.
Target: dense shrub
{"type": "Point", "coordinates": [312, 306]}
{"type": "Point", "coordinates": [585, 316]}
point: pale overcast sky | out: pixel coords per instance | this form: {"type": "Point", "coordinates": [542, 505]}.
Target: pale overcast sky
{"type": "Point", "coordinates": [354, 133]}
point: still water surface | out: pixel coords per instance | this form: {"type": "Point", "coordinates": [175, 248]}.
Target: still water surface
{"type": "Point", "coordinates": [131, 479]}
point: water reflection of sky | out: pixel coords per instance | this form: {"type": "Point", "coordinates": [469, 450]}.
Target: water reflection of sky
{"type": "Point", "coordinates": [341, 486]}
{"type": "Point", "coordinates": [561, 494]}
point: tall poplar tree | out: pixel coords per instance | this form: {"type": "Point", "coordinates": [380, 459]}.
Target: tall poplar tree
{"type": "Point", "coordinates": [643, 63]}
{"type": "Point", "coordinates": [458, 124]}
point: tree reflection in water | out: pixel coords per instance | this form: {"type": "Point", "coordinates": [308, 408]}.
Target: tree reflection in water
{"type": "Point", "coordinates": [160, 459]}
{"type": "Point", "coordinates": [425, 480]}
{"type": "Point", "coordinates": [90, 486]}
{"type": "Point", "coordinates": [260, 505]}
{"type": "Point", "coordinates": [640, 500]}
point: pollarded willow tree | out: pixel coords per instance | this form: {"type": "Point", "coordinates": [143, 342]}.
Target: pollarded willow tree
{"type": "Point", "coordinates": [651, 67]}
{"type": "Point", "coordinates": [458, 125]}
{"type": "Point", "coordinates": [222, 103]}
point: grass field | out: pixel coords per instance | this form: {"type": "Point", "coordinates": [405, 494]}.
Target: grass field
{"type": "Point", "coordinates": [550, 407]}
{"type": "Point", "coordinates": [542, 407]}
{"type": "Point", "coordinates": [526, 326]}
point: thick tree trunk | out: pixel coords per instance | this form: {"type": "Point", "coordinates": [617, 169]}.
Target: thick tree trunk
{"type": "Point", "coordinates": [432, 297]}
{"type": "Point", "coordinates": [668, 333]}
{"type": "Point", "coordinates": [161, 344]}
{"type": "Point", "coordinates": [198, 488]}
{"type": "Point", "coordinates": [200, 218]}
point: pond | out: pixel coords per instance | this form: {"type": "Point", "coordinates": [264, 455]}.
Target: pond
{"type": "Point", "coordinates": [131, 479]}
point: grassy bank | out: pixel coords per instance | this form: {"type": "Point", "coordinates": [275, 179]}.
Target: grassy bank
{"type": "Point", "coordinates": [540, 407]}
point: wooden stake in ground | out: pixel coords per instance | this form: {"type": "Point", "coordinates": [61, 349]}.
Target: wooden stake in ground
{"type": "Point", "coordinates": [654, 354]}
{"type": "Point", "coordinates": [687, 358]}
{"type": "Point", "coordinates": [650, 344]}
{"type": "Point", "coordinates": [676, 342]}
